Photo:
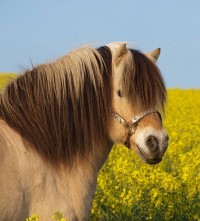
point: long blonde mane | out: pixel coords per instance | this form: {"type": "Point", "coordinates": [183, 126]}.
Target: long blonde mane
{"type": "Point", "coordinates": [63, 108]}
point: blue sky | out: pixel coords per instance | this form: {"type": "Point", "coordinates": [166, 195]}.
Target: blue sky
{"type": "Point", "coordinates": [38, 31]}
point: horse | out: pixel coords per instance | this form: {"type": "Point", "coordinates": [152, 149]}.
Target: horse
{"type": "Point", "coordinates": [59, 121]}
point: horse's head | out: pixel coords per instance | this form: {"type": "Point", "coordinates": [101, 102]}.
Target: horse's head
{"type": "Point", "coordinates": [138, 93]}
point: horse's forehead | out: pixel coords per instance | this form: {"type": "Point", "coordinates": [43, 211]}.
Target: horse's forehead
{"type": "Point", "coordinates": [114, 45]}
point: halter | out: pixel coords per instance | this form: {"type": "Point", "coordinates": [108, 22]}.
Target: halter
{"type": "Point", "coordinates": [131, 126]}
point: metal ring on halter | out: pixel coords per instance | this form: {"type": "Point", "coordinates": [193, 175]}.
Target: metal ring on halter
{"type": "Point", "coordinates": [131, 126]}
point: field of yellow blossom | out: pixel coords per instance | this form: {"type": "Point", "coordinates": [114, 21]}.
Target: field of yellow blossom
{"type": "Point", "coordinates": [130, 190]}
{"type": "Point", "coordinates": [4, 78]}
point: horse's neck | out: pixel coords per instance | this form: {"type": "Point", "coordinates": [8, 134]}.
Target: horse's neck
{"type": "Point", "coordinates": [70, 191]}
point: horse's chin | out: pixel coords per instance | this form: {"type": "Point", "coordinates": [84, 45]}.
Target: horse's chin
{"type": "Point", "coordinates": [145, 158]}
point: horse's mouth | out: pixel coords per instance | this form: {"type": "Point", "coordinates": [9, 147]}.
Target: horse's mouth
{"type": "Point", "coordinates": [146, 159]}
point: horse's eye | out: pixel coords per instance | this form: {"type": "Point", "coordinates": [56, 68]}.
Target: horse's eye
{"type": "Point", "coordinates": [119, 93]}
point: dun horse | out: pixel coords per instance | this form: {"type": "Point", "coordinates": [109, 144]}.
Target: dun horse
{"type": "Point", "coordinates": [59, 121]}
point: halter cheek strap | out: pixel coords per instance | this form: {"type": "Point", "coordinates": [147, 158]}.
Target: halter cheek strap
{"type": "Point", "coordinates": [131, 126]}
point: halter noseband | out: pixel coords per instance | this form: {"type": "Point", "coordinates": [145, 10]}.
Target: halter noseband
{"type": "Point", "coordinates": [131, 126]}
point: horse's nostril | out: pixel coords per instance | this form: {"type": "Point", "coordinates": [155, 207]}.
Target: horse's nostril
{"type": "Point", "coordinates": [152, 143]}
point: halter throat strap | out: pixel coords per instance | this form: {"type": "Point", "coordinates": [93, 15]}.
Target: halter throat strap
{"type": "Point", "coordinates": [131, 126]}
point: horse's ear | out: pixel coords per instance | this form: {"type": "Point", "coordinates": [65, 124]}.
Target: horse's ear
{"type": "Point", "coordinates": [119, 53]}
{"type": "Point", "coordinates": [154, 55]}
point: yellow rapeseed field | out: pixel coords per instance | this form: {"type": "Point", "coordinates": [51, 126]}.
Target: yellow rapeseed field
{"type": "Point", "coordinates": [131, 190]}
{"type": "Point", "coordinates": [4, 78]}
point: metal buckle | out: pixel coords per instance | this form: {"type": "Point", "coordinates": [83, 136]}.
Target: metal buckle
{"type": "Point", "coordinates": [131, 126]}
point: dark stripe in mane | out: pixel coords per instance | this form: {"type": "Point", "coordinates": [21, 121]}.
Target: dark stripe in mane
{"type": "Point", "coordinates": [63, 108]}
{"type": "Point", "coordinates": [142, 82]}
